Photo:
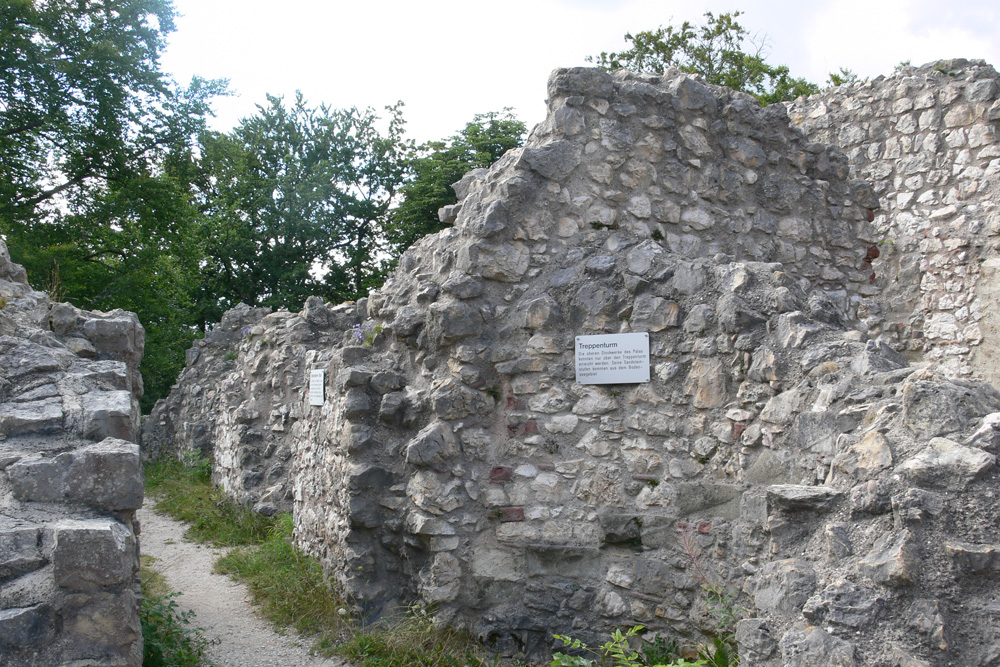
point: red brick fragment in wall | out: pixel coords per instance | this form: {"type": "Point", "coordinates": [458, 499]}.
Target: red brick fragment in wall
{"type": "Point", "coordinates": [511, 514]}
{"type": "Point", "coordinates": [501, 473]}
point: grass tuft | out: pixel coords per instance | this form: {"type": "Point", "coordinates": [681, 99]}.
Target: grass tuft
{"type": "Point", "coordinates": [185, 492]}
{"type": "Point", "coordinates": [288, 585]}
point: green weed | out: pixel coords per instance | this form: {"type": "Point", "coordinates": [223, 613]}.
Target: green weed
{"type": "Point", "coordinates": [168, 638]}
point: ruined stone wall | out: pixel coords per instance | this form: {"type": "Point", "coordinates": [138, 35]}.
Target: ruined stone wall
{"type": "Point", "coordinates": [925, 138]}
{"type": "Point", "coordinates": [70, 480]}
{"type": "Point", "coordinates": [780, 451]}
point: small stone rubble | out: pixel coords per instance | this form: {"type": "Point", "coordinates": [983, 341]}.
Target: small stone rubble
{"type": "Point", "coordinates": [782, 450]}
{"type": "Point", "coordinates": [70, 480]}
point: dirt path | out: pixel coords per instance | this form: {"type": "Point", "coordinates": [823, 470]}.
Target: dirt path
{"type": "Point", "coordinates": [239, 638]}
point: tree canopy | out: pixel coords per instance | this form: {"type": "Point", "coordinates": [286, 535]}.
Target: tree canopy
{"type": "Point", "coordinates": [296, 200]}
{"type": "Point", "coordinates": [114, 194]}
{"type": "Point", "coordinates": [721, 50]}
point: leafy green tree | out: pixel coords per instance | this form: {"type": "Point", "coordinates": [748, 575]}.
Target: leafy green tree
{"type": "Point", "coordinates": [96, 154]}
{"type": "Point", "coordinates": [722, 51]}
{"type": "Point", "coordinates": [435, 165]}
{"type": "Point", "coordinates": [296, 200]}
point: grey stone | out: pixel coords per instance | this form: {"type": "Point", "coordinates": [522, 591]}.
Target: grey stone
{"type": "Point", "coordinates": [755, 641]}
{"type": "Point", "coordinates": [842, 603]}
{"type": "Point", "coordinates": [19, 552]}
{"type": "Point", "coordinates": [555, 160]}
{"type": "Point", "coordinates": [805, 645]}
{"type": "Point", "coordinates": [783, 587]}
{"type": "Point", "coordinates": [894, 559]}
{"type": "Point", "coordinates": [945, 463]}
{"type": "Point", "coordinates": [109, 414]}
{"type": "Point", "coordinates": [93, 555]}
{"type": "Point", "coordinates": [795, 497]}
{"type": "Point", "coordinates": [934, 406]}
{"type": "Point", "coordinates": [434, 444]}
{"type": "Point", "coordinates": [653, 313]}
{"type": "Point", "coordinates": [104, 475]}
{"type": "Point", "coordinates": [877, 357]}
{"type": "Point", "coordinates": [27, 627]}
{"type": "Point", "coordinates": [708, 499]}
{"type": "Point", "coordinates": [974, 558]}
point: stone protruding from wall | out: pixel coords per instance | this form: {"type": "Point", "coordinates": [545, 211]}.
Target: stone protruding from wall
{"type": "Point", "coordinates": [845, 499]}
{"type": "Point", "coordinates": [925, 138]}
{"type": "Point", "coordinates": [70, 480]}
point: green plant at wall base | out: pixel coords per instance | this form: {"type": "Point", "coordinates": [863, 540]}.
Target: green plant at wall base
{"type": "Point", "coordinates": [616, 652]}
{"type": "Point", "coordinates": [231, 356]}
{"type": "Point", "coordinates": [168, 638]}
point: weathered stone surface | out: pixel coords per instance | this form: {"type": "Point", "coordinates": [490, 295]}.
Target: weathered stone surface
{"type": "Point", "coordinates": [68, 554]}
{"type": "Point", "coordinates": [93, 555]}
{"type": "Point", "coordinates": [945, 463]}
{"type": "Point", "coordinates": [894, 559]}
{"type": "Point", "coordinates": [567, 505]}
{"type": "Point", "coordinates": [805, 645]}
{"type": "Point", "coordinates": [793, 497]}
{"type": "Point", "coordinates": [974, 558]}
{"type": "Point", "coordinates": [433, 445]}
{"type": "Point", "coordinates": [843, 603]}
{"type": "Point", "coordinates": [105, 475]}
{"type": "Point", "coordinates": [19, 551]}
{"type": "Point", "coordinates": [783, 587]}
{"type": "Point", "coordinates": [933, 407]}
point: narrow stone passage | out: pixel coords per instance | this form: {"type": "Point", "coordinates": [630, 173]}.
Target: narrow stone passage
{"type": "Point", "coordinates": [238, 636]}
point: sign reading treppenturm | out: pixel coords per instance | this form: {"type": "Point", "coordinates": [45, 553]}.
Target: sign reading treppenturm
{"type": "Point", "coordinates": [316, 387]}
{"type": "Point", "coordinates": [612, 359]}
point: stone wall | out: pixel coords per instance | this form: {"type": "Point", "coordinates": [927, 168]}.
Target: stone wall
{"type": "Point", "coordinates": [70, 480]}
{"type": "Point", "coordinates": [779, 451]}
{"type": "Point", "coordinates": [925, 138]}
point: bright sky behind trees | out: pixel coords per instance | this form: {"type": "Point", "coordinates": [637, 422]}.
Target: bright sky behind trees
{"type": "Point", "coordinates": [450, 59]}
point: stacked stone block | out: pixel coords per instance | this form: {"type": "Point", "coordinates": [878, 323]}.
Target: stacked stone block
{"type": "Point", "coordinates": [925, 138]}
{"type": "Point", "coordinates": [70, 480]}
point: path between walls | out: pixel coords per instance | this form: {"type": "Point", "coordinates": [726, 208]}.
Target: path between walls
{"type": "Point", "coordinates": [238, 637]}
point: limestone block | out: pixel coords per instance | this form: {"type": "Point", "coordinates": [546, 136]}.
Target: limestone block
{"type": "Point", "coordinates": [935, 406]}
{"type": "Point", "coordinates": [19, 551]}
{"type": "Point", "coordinates": [555, 160]}
{"type": "Point", "coordinates": [653, 313]}
{"type": "Point", "coordinates": [27, 627]}
{"type": "Point", "coordinates": [98, 622]}
{"type": "Point", "coordinates": [795, 497]}
{"type": "Point", "coordinates": [842, 603]}
{"type": "Point", "coordinates": [894, 559]}
{"type": "Point", "coordinates": [755, 641]}
{"type": "Point", "coordinates": [109, 414]}
{"type": "Point", "coordinates": [945, 463]}
{"type": "Point", "coordinates": [93, 555]}
{"type": "Point", "coordinates": [865, 458]}
{"type": "Point", "coordinates": [805, 645]}
{"type": "Point", "coordinates": [105, 475]}
{"type": "Point", "coordinates": [43, 416]}
{"type": "Point", "coordinates": [783, 587]}
{"type": "Point", "coordinates": [707, 383]}
{"type": "Point", "coordinates": [433, 445]}
{"type": "Point", "coordinates": [974, 558]}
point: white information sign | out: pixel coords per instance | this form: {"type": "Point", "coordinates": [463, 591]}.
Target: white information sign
{"type": "Point", "coordinates": [612, 359]}
{"type": "Point", "coordinates": [317, 384]}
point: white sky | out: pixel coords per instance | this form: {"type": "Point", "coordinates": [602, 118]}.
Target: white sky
{"type": "Point", "coordinates": [450, 59]}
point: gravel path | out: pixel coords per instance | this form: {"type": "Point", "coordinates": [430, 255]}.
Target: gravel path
{"type": "Point", "coordinates": [239, 638]}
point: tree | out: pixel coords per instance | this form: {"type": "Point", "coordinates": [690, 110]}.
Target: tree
{"type": "Point", "coordinates": [296, 200]}
{"type": "Point", "coordinates": [96, 153]}
{"type": "Point", "coordinates": [722, 51]}
{"type": "Point", "coordinates": [435, 165]}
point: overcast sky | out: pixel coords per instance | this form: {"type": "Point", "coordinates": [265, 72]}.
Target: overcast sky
{"type": "Point", "coordinates": [450, 59]}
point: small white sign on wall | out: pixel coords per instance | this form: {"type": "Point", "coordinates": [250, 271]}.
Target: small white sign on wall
{"type": "Point", "coordinates": [317, 387]}
{"type": "Point", "coordinates": [612, 359]}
